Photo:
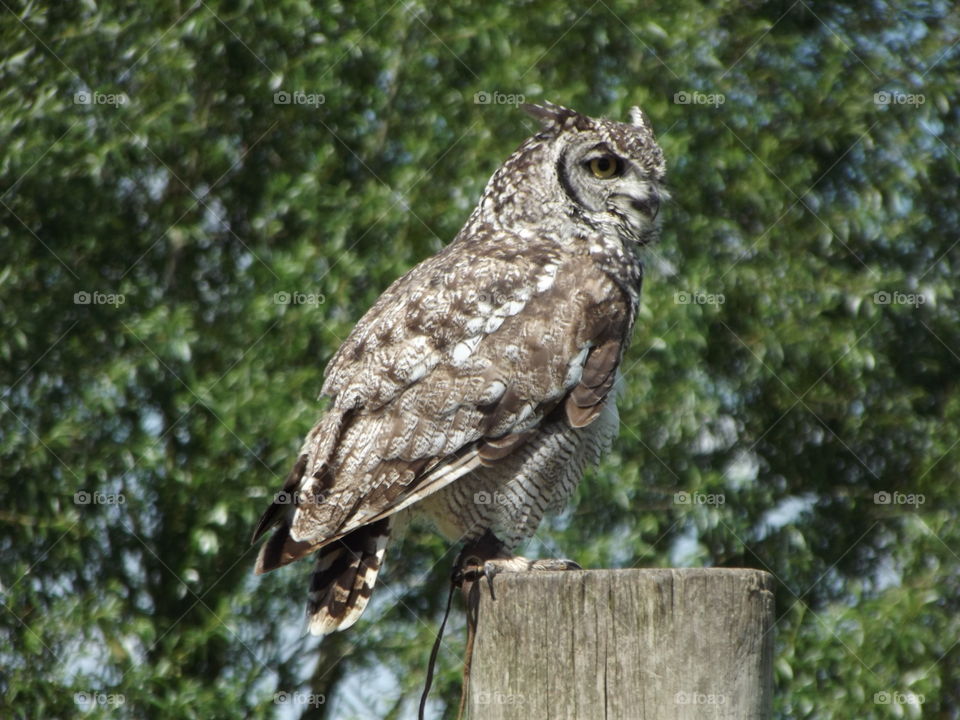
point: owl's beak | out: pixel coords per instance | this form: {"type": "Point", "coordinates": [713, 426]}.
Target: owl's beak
{"type": "Point", "coordinates": [649, 206]}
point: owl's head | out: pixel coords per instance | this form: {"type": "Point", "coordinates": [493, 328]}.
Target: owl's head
{"type": "Point", "coordinates": [611, 172]}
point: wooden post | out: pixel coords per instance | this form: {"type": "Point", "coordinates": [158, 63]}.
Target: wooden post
{"type": "Point", "coordinates": [624, 644]}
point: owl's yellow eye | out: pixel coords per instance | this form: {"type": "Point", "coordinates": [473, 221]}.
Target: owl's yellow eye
{"type": "Point", "coordinates": [606, 166]}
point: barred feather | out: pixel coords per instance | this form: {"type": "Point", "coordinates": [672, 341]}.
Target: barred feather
{"type": "Point", "coordinates": [344, 576]}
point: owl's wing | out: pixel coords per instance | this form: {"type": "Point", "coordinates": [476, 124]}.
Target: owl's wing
{"type": "Point", "coordinates": [456, 365]}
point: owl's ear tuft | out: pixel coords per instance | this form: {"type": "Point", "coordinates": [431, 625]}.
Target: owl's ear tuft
{"type": "Point", "coordinates": [639, 119]}
{"type": "Point", "coordinates": [552, 117]}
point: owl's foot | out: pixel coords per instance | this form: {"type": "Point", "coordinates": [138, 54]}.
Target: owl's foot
{"type": "Point", "coordinates": [488, 557]}
{"type": "Point", "coordinates": [517, 563]}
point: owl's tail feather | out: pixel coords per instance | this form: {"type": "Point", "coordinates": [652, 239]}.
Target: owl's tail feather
{"type": "Point", "coordinates": [344, 577]}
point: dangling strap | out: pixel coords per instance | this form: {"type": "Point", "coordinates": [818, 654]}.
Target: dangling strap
{"type": "Point", "coordinates": [471, 599]}
{"type": "Point", "coordinates": [433, 656]}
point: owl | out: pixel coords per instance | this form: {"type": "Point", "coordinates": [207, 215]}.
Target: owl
{"type": "Point", "coordinates": [483, 382]}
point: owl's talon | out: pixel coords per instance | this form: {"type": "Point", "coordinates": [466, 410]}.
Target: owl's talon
{"type": "Point", "coordinates": [490, 569]}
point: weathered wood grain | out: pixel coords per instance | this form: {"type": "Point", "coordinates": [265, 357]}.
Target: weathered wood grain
{"type": "Point", "coordinates": [624, 644]}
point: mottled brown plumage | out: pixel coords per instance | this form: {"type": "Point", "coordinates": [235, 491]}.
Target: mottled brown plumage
{"type": "Point", "coordinates": [481, 383]}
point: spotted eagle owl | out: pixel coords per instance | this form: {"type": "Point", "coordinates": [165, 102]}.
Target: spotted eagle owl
{"type": "Point", "coordinates": [480, 384]}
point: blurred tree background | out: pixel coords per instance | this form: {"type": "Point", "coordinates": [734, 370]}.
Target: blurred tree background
{"type": "Point", "coordinates": [198, 201]}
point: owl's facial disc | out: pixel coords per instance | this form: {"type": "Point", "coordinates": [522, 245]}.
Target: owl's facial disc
{"type": "Point", "coordinates": [611, 188]}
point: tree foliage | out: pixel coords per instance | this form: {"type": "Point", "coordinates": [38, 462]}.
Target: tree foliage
{"type": "Point", "coordinates": [199, 200]}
